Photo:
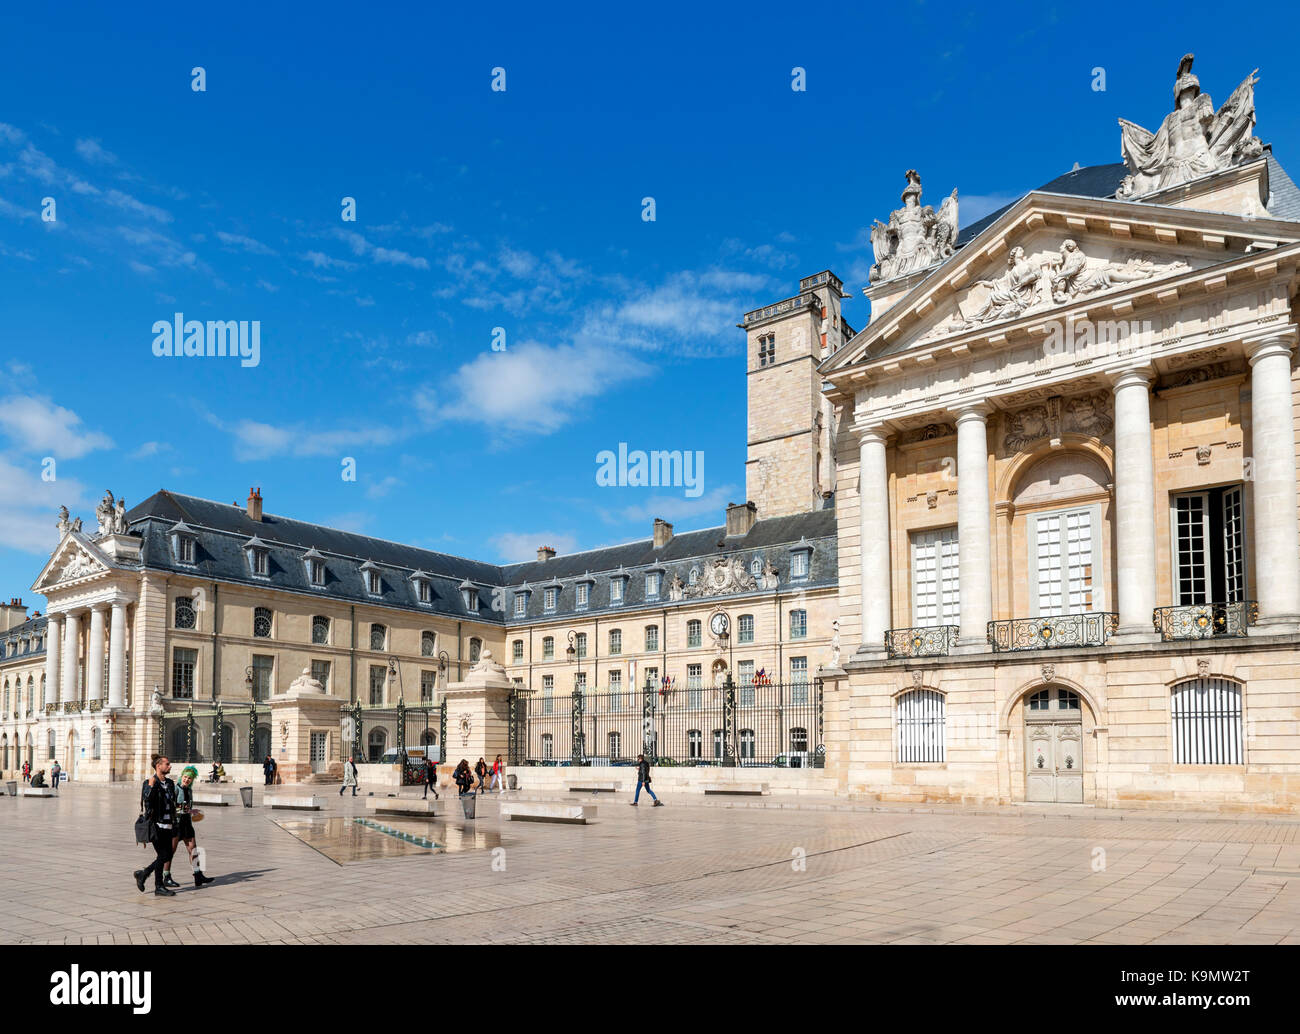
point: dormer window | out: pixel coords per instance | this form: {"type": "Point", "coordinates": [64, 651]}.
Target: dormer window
{"type": "Point", "coordinates": [259, 557]}
{"type": "Point", "coordinates": [582, 594]}
{"type": "Point", "coordinates": [799, 560]}
{"type": "Point", "coordinates": [374, 581]}
{"type": "Point", "coordinates": [315, 564]}
{"type": "Point", "coordinates": [653, 582]}
{"type": "Point", "coordinates": [183, 543]}
{"type": "Point", "coordinates": [521, 600]}
{"type": "Point", "coordinates": [469, 595]}
{"type": "Point", "coordinates": [423, 587]}
{"type": "Point", "coordinates": [756, 567]}
{"type": "Point", "coordinates": [616, 586]}
{"type": "Point", "coordinates": [550, 597]}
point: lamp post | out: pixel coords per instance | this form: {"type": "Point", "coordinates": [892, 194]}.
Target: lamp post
{"type": "Point", "coordinates": [576, 746]}
{"type": "Point", "coordinates": [444, 662]}
{"type": "Point", "coordinates": [395, 675]}
{"type": "Point", "coordinates": [248, 681]}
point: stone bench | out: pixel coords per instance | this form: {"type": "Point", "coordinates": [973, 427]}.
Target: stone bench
{"type": "Point", "coordinates": [38, 791]}
{"type": "Point", "coordinates": [401, 806]}
{"type": "Point", "coordinates": [548, 811]}
{"type": "Point", "coordinates": [748, 789]}
{"type": "Point", "coordinates": [220, 800]}
{"type": "Point", "coordinates": [591, 787]}
{"type": "Point", "coordinates": [296, 803]}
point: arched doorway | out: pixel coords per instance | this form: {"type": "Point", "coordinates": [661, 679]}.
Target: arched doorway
{"type": "Point", "coordinates": [375, 744]}
{"type": "Point", "coordinates": [1055, 767]}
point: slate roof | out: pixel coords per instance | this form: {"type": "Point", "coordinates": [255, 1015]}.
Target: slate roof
{"type": "Point", "coordinates": [223, 530]}
{"type": "Point", "coordinates": [31, 627]}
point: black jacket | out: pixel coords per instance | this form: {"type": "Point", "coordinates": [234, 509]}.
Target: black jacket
{"type": "Point", "coordinates": [430, 772]}
{"type": "Point", "coordinates": [268, 766]}
{"type": "Point", "coordinates": [159, 801]}
{"type": "Point", "coordinates": [643, 771]}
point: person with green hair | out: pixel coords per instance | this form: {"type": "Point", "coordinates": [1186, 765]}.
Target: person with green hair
{"type": "Point", "coordinates": [186, 816]}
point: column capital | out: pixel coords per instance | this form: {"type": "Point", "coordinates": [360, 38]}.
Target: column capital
{"type": "Point", "coordinates": [1277, 342]}
{"type": "Point", "coordinates": [870, 433]}
{"type": "Point", "coordinates": [1142, 374]}
{"type": "Point", "coordinates": [976, 409]}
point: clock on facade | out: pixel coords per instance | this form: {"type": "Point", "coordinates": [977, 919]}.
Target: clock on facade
{"type": "Point", "coordinates": [719, 624]}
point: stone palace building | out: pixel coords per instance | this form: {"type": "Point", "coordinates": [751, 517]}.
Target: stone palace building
{"type": "Point", "coordinates": [1032, 534]}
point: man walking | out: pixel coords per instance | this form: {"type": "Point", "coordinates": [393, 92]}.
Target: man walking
{"type": "Point", "coordinates": [159, 801]}
{"type": "Point", "coordinates": [643, 779]}
{"type": "Point", "coordinates": [54, 776]}
{"type": "Point", "coordinates": [430, 778]}
{"type": "Point", "coordinates": [268, 769]}
{"type": "Point", "coordinates": [349, 777]}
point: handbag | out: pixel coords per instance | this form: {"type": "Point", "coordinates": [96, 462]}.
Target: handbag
{"type": "Point", "coordinates": [144, 829]}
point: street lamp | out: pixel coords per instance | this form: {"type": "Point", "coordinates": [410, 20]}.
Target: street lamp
{"type": "Point", "coordinates": [444, 662]}
{"type": "Point", "coordinates": [248, 681]}
{"type": "Point", "coordinates": [395, 675]}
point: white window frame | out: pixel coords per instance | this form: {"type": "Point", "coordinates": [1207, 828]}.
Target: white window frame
{"type": "Point", "coordinates": [946, 603]}
{"type": "Point", "coordinates": [1098, 578]}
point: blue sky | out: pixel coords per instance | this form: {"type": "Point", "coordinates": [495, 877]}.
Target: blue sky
{"type": "Point", "coordinates": [478, 209]}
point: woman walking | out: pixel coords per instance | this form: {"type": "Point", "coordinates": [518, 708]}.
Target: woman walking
{"type": "Point", "coordinates": [349, 776]}
{"type": "Point", "coordinates": [481, 770]}
{"type": "Point", "coordinates": [498, 775]}
{"type": "Point", "coordinates": [185, 818]}
{"type": "Point", "coordinates": [464, 777]}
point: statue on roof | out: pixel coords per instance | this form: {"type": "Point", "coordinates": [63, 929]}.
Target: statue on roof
{"type": "Point", "coordinates": [915, 236]}
{"type": "Point", "coordinates": [64, 523]}
{"type": "Point", "coordinates": [1193, 140]}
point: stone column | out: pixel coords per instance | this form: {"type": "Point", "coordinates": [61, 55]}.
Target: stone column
{"type": "Point", "coordinates": [53, 658]}
{"type": "Point", "coordinates": [1135, 505]}
{"type": "Point", "coordinates": [873, 525]}
{"type": "Point", "coordinates": [1272, 432]}
{"type": "Point", "coordinates": [95, 655]}
{"type": "Point", "coordinates": [117, 656]}
{"type": "Point", "coordinates": [974, 543]}
{"type": "Point", "coordinates": [71, 635]}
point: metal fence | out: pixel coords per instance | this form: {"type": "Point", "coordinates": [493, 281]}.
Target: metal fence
{"type": "Point", "coordinates": [773, 724]}
{"type": "Point", "coordinates": [239, 733]}
{"type": "Point", "coordinates": [368, 733]}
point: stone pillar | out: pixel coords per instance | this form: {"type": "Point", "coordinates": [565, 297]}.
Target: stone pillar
{"type": "Point", "coordinates": [53, 658]}
{"type": "Point", "coordinates": [1272, 432]}
{"type": "Point", "coordinates": [71, 635]}
{"type": "Point", "coordinates": [1135, 505]}
{"type": "Point", "coordinates": [117, 656]}
{"type": "Point", "coordinates": [974, 543]}
{"type": "Point", "coordinates": [95, 655]}
{"type": "Point", "coordinates": [873, 524]}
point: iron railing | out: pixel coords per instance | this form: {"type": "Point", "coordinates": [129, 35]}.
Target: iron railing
{"type": "Point", "coordinates": [929, 641]}
{"type": "Point", "coordinates": [775, 724]}
{"type": "Point", "coordinates": [377, 730]}
{"type": "Point", "coordinates": [1205, 620]}
{"type": "Point", "coordinates": [1091, 628]}
{"type": "Point", "coordinates": [215, 734]}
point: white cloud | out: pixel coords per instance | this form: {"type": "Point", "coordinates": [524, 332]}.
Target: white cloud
{"type": "Point", "coordinates": [322, 261]}
{"type": "Point", "coordinates": [515, 546]}
{"type": "Point", "coordinates": [35, 424]}
{"type": "Point", "coordinates": [29, 506]}
{"type": "Point", "coordinates": [126, 202]}
{"type": "Point", "coordinates": [248, 244]}
{"type": "Point", "coordinates": [255, 440]}
{"type": "Point", "coordinates": [94, 153]}
{"type": "Point", "coordinates": [381, 488]}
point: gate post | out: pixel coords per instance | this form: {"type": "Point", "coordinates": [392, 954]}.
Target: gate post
{"type": "Point", "coordinates": [218, 734]}
{"type": "Point", "coordinates": [442, 730]}
{"type": "Point", "coordinates": [401, 726]}
{"type": "Point", "coordinates": [512, 732]}
{"type": "Point", "coordinates": [190, 732]}
{"type": "Point", "coordinates": [575, 731]}
{"type": "Point", "coordinates": [729, 722]}
{"type": "Point", "coordinates": [252, 732]}
{"type": "Point", "coordinates": [648, 741]}
{"type": "Point", "coordinates": [356, 729]}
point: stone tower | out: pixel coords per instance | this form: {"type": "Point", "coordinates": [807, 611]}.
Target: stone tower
{"type": "Point", "coordinates": [789, 463]}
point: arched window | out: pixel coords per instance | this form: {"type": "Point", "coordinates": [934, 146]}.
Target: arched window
{"type": "Point", "coordinates": [1207, 722]}
{"type": "Point", "coordinates": [31, 694]}
{"type": "Point", "coordinates": [429, 738]}
{"type": "Point", "coordinates": [548, 746]}
{"type": "Point", "coordinates": [42, 692]}
{"type": "Point", "coordinates": [920, 726]}
{"type": "Point", "coordinates": [5, 712]}
{"type": "Point", "coordinates": [378, 637]}
{"type": "Point", "coordinates": [475, 650]}
{"type": "Point", "coordinates": [184, 612]}
{"type": "Point", "coordinates": [428, 644]}
{"type": "Point", "coordinates": [375, 745]}
{"type": "Point", "coordinates": [320, 630]}
{"type": "Point", "coordinates": [756, 566]}
{"type": "Point", "coordinates": [694, 743]}
{"type": "Point", "coordinates": [95, 750]}
{"type": "Point", "coordinates": [262, 623]}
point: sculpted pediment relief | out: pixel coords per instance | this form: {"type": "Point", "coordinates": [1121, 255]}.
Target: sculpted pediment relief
{"type": "Point", "coordinates": [70, 563]}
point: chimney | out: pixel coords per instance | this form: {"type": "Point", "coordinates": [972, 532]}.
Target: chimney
{"type": "Point", "coordinates": [255, 504]}
{"type": "Point", "coordinates": [663, 533]}
{"type": "Point", "coordinates": [12, 614]}
{"type": "Point", "coordinates": [740, 518]}
{"type": "Point", "coordinates": [545, 553]}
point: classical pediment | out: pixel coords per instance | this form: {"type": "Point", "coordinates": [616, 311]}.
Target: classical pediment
{"type": "Point", "coordinates": [75, 559]}
{"type": "Point", "coordinates": [1051, 256]}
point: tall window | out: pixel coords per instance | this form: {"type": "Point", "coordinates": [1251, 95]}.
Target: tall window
{"type": "Point", "coordinates": [317, 570]}
{"type": "Point", "coordinates": [1063, 550]}
{"type": "Point", "coordinates": [580, 682]}
{"type": "Point", "coordinates": [798, 624]}
{"type": "Point", "coordinates": [694, 633]}
{"type": "Point", "coordinates": [428, 644]}
{"type": "Point", "coordinates": [378, 637]}
{"type": "Point", "coordinates": [694, 685]}
{"type": "Point", "coordinates": [745, 629]}
{"type": "Point", "coordinates": [517, 651]}
{"type": "Point", "coordinates": [798, 680]}
{"type": "Point", "coordinates": [936, 596]}
{"type": "Point", "coordinates": [320, 630]}
{"type": "Point", "coordinates": [548, 691]}
{"type": "Point", "coordinates": [653, 581]}
{"type": "Point", "coordinates": [548, 746]}
{"type": "Point", "coordinates": [185, 549]}
{"type": "Point", "coordinates": [425, 591]}
{"type": "Point", "coordinates": [378, 678]}
{"type": "Point", "coordinates": [428, 683]}
{"type": "Point", "coordinates": [615, 746]}
{"type": "Point", "coordinates": [651, 638]}
{"type": "Point", "coordinates": [521, 604]}
{"type": "Point", "coordinates": [920, 717]}
{"type": "Point", "coordinates": [320, 671]}
{"type": "Point", "coordinates": [258, 558]}
{"type": "Point", "coordinates": [745, 675]}
{"type": "Point", "coordinates": [185, 616]}
{"type": "Point", "coordinates": [581, 645]}
{"type": "Point", "coordinates": [551, 597]}
{"type": "Point", "coordinates": [767, 350]}
{"type": "Point", "coordinates": [747, 744]}
{"type": "Point", "coordinates": [374, 583]}
{"type": "Point", "coordinates": [263, 672]}
{"type": "Point", "coordinates": [1209, 547]}
{"type": "Point", "coordinates": [717, 743]}
{"type": "Point", "coordinates": [615, 689]}
{"type": "Point", "coordinates": [1207, 722]}
{"type": "Point", "coordinates": [582, 591]}
{"type": "Point", "coordinates": [799, 564]}
{"type": "Point", "coordinates": [183, 662]}
{"type": "Point", "coordinates": [548, 648]}
{"type": "Point", "coordinates": [694, 743]}
{"type": "Point", "coordinates": [615, 591]}
{"type": "Point", "coordinates": [262, 623]}
{"type": "Point", "coordinates": [615, 640]}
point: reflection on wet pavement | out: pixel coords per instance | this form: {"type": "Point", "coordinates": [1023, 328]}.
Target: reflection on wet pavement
{"type": "Point", "coordinates": [344, 840]}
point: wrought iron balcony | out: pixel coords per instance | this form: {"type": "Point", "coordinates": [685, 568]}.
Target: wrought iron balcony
{"type": "Point", "coordinates": [929, 641]}
{"type": "Point", "coordinates": [1091, 628]}
{"type": "Point", "coordinates": [1205, 620]}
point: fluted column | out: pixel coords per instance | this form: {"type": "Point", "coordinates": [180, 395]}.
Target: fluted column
{"type": "Point", "coordinates": [95, 655]}
{"type": "Point", "coordinates": [1135, 504]}
{"type": "Point", "coordinates": [974, 543]}
{"type": "Point", "coordinates": [71, 633]}
{"type": "Point", "coordinates": [53, 657]}
{"type": "Point", "coordinates": [1277, 536]}
{"type": "Point", "coordinates": [873, 524]}
{"type": "Point", "coordinates": [117, 656]}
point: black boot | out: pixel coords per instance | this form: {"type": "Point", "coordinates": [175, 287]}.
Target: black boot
{"type": "Point", "coordinates": [200, 879]}
{"type": "Point", "coordinates": [163, 892]}
{"type": "Point", "coordinates": [139, 875]}
{"type": "Point", "coordinates": [168, 881]}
